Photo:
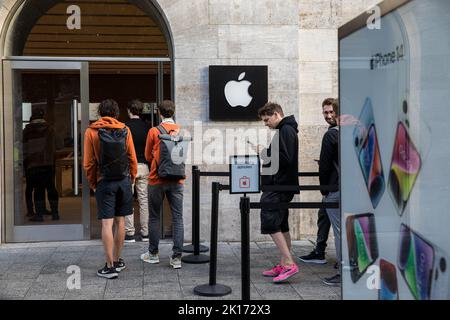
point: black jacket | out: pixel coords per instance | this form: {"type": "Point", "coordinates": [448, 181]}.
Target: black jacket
{"type": "Point", "coordinates": [287, 173]}
{"type": "Point", "coordinates": [329, 160]}
{"type": "Point", "coordinates": [139, 130]}
{"type": "Point", "coordinates": [38, 144]}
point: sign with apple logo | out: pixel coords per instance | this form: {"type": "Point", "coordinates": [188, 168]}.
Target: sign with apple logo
{"type": "Point", "coordinates": [237, 92]}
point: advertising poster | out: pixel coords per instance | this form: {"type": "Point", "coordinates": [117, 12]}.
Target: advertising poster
{"type": "Point", "coordinates": [394, 96]}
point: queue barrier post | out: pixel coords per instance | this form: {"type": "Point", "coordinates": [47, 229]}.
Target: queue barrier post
{"type": "Point", "coordinates": [244, 206]}
{"type": "Point", "coordinates": [213, 289]}
{"type": "Point", "coordinates": [196, 257]}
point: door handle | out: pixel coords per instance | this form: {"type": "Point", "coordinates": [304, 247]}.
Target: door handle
{"type": "Point", "coordinates": [75, 146]}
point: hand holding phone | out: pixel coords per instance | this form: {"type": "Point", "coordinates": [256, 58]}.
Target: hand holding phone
{"type": "Point", "coordinates": [256, 147]}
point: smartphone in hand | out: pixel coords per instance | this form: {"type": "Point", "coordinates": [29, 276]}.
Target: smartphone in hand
{"type": "Point", "coordinates": [256, 147]}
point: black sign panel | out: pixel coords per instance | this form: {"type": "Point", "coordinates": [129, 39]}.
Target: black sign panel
{"type": "Point", "coordinates": [237, 92]}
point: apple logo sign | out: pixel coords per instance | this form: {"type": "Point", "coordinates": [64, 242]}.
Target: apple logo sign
{"type": "Point", "coordinates": [236, 92]}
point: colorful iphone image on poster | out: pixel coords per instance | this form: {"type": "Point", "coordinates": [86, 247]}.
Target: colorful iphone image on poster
{"type": "Point", "coordinates": [368, 153]}
{"type": "Point", "coordinates": [415, 262]}
{"type": "Point", "coordinates": [423, 266]}
{"type": "Point", "coordinates": [388, 281]}
{"type": "Point", "coordinates": [362, 243]}
{"type": "Point", "coordinates": [412, 141]}
{"type": "Point", "coordinates": [405, 167]}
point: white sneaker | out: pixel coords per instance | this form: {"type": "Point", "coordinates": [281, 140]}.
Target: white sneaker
{"type": "Point", "coordinates": [150, 258]}
{"type": "Point", "coordinates": [175, 262]}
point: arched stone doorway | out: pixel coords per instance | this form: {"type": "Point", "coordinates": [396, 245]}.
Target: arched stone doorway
{"type": "Point", "coordinates": [64, 57]}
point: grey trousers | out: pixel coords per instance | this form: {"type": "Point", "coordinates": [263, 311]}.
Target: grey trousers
{"type": "Point", "coordinates": [335, 218]}
{"type": "Point", "coordinates": [174, 194]}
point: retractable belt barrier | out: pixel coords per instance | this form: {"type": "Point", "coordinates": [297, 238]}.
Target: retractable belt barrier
{"type": "Point", "coordinates": [213, 289]}
{"type": "Point", "coordinates": [195, 248]}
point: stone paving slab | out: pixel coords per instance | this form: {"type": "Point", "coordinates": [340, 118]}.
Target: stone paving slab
{"type": "Point", "coordinates": [38, 271]}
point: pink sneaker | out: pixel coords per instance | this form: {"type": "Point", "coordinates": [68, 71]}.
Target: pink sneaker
{"type": "Point", "coordinates": [286, 273]}
{"type": "Point", "coordinates": [275, 271]}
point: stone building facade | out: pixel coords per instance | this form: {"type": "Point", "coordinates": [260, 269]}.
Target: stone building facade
{"type": "Point", "coordinates": [296, 39]}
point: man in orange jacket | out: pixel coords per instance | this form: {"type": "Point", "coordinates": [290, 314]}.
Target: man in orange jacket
{"type": "Point", "coordinates": [159, 187]}
{"type": "Point", "coordinates": [111, 167]}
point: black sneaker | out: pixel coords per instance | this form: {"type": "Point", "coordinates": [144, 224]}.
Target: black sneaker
{"type": "Point", "coordinates": [129, 239]}
{"type": "Point", "coordinates": [119, 265]}
{"type": "Point", "coordinates": [333, 281]}
{"type": "Point", "coordinates": [144, 238]}
{"type": "Point", "coordinates": [314, 257]}
{"type": "Point", "coordinates": [108, 273]}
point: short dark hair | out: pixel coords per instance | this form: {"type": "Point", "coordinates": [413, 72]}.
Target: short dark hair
{"type": "Point", "coordinates": [333, 102]}
{"type": "Point", "coordinates": [269, 109]}
{"type": "Point", "coordinates": [109, 108]}
{"type": "Point", "coordinates": [135, 107]}
{"type": "Point", "coordinates": [167, 108]}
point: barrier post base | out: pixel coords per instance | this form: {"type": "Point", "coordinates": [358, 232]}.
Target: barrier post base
{"type": "Point", "coordinates": [190, 248]}
{"type": "Point", "coordinates": [195, 259]}
{"type": "Point", "coordinates": [216, 290]}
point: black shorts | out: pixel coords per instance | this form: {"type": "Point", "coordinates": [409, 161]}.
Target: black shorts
{"type": "Point", "coordinates": [275, 220]}
{"type": "Point", "coordinates": [114, 198]}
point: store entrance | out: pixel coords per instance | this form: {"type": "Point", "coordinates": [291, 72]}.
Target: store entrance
{"type": "Point", "coordinates": [48, 106]}
{"type": "Point", "coordinates": [45, 110]}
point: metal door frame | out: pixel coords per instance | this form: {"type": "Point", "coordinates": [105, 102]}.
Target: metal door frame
{"type": "Point", "coordinates": [58, 232]}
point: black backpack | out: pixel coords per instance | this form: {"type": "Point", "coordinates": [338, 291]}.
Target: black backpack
{"type": "Point", "coordinates": [114, 164]}
{"type": "Point", "coordinates": [172, 155]}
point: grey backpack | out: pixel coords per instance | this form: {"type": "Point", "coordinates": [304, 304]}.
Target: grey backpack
{"type": "Point", "coordinates": [172, 155]}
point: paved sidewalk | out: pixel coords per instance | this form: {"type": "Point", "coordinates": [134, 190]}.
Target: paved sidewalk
{"type": "Point", "coordinates": [38, 271]}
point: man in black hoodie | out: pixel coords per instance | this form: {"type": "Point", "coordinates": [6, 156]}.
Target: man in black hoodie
{"type": "Point", "coordinates": [317, 255]}
{"type": "Point", "coordinates": [282, 162]}
{"type": "Point", "coordinates": [329, 176]}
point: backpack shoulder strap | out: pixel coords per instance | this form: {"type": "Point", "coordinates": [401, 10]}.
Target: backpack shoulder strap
{"type": "Point", "coordinates": [161, 129]}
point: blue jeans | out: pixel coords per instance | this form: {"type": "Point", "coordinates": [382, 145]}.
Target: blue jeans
{"type": "Point", "coordinates": [174, 194]}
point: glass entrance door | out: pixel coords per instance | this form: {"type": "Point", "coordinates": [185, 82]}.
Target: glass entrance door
{"type": "Point", "coordinates": [46, 111]}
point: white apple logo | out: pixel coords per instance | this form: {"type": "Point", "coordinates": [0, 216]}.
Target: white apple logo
{"type": "Point", "coordinates": [236, 92]}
